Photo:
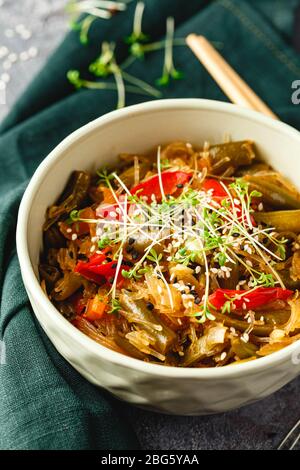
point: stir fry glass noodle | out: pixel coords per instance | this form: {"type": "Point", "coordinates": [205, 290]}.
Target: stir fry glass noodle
{"type": "Point", "coordinates": [186, 256]}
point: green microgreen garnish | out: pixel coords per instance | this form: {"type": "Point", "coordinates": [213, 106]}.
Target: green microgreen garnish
{"type": "Point", "coordinates": [115, 306]}
{"type": "Point", "coordinates": [83, 13]}
{"type": "Point", "coordinates": [137, 36]}
{"type": "Point", "coordinates": [169, 70]}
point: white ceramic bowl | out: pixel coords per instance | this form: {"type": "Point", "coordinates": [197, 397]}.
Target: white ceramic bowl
{"type": "Point", "coordinates": [136, 129]}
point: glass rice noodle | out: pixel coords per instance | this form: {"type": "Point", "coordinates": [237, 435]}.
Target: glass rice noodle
{"type": "Point", "coordinates": [186, 256]}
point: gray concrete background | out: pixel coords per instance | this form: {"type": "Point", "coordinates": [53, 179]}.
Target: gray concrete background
{"type": "Point", "coordinates": [259, 426]}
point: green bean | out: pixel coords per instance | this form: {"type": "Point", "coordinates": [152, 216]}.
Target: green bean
{"type": "Point", "coordinates": [231, 154]}
{"type": "Point", "coordinates": [66, 286]}
{"type": "Point", "coordinates": [73, 196]}
{"type": "Point", "coordinates": [241, 325]}
{"type": "Point", "coordinates": [280, 220]}
{"type": "Point", "coordinates": [274, 191]}
{"type": "Point", "coordinates": [50, 274]}
{"type": "Point", "coordinates": [243, 350]}
{"type": "Point", "coordinates": [136, 311]}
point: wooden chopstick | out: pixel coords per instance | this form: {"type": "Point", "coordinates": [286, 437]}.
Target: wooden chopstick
{"type": "Point", "coordinates": [226, 77]}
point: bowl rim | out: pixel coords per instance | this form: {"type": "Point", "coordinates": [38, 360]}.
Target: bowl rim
{"type": "Point", "coordinates": [34, 289]}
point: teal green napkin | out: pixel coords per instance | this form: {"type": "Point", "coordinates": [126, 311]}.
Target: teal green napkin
{"type": "Point", "coordinates": [44, 403]}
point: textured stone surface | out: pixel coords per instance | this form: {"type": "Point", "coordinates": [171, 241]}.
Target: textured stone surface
{"type": "Point", "coordinates": [259, 426]}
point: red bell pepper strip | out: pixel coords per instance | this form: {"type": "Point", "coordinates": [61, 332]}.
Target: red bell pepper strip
{"type": "Point", "coordinates": [253, 300]}
{"type": "Point", "coordinates": [171, 182]}
{"type": "Point", "coordinates": [98, 271]}
{"type": "Point", "coordinates": [219, 194]}
{"type": "Point", "coordinates": [218, 191]}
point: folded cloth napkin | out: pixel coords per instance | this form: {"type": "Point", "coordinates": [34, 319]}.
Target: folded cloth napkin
{"type": "Point", "coordinates": [44, 403]}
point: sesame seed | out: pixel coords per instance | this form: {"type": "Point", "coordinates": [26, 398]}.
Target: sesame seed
{"type": "Point", "coordinates": [92, 248]}
{"type": "Point", "coordinates": [260, 206]}
{"type": "Point", "coordinates": [244, 306]}
{"type": "Point", "coordinates": [74, 236]}
{"type": "Point", "coordinates": [249, 262]}
{"type": "Point", "coordinates": [69, 230]}
{"type": "Point", "coordinates": [223, 356]}
{"type": "Point", "coordinates": [113, 214]}
{"type": "Point", "coordinates": [245, 337]}
{"type": "Point", "coordinates": [198, 269]}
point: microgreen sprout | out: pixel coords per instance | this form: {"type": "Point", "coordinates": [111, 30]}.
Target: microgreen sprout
{"type": "Point", "coordinates": [115, 306]}
{"type": "Point", "coordinates": [137, 36]}
{"type": "Point", "coordinates": [169, 70]}
{"type": "Point", "coordinates": [83, 13]}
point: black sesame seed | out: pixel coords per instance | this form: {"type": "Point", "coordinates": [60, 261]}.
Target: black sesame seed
{"type": "Point", "coordinates": [135, 255]}
{"type": "Point", "coordinates": [197, 300]}
{"type": "Point", "coordinates": [194, 293]}
{"type": "Point", "coordinates": [235, 234]}
{"type": "Point", "coordinates": [114, 265]}
{"type": "Point", "coordinates": [131, 241]}
{"type": "Point", "coordinates": [129, 250]}
{"type": "Point", "coordinates": [150, 306]}
{"type": "Point", "coordinates": [109, 260]}
{"type": "Point", "coordinates": [128, 263]}
{"type": "Point", "coordinates": [179, 186]}
{"type": "Point", "coordinates": [111, 280]}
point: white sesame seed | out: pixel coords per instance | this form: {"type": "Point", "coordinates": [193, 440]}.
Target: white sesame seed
{"type": "Point", "coordinates": [223, 356]}
{"type": "Point", "coordinates": [94, 239]}
{"type": "Point", "coordinates": [113, 214]}
{"type": "Point", "coordinates": [33, 51]}
{"type": "Point", "coordinates": [249, 262]}
{"type": "Point", "coordinates": [244, 306]}
{"type": "Point", "coordinates": [92, 248]}
{"type": "Point", "coordinates": [198, 269]}
{"type": "Point", "coordinates": [69, 230]}
{"type": "Point", "coordinates": [74, 236]}
{"type": "Point", "coordinates": [260, 206]}
{"type": "Point", "coordinates": [245, 337]}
